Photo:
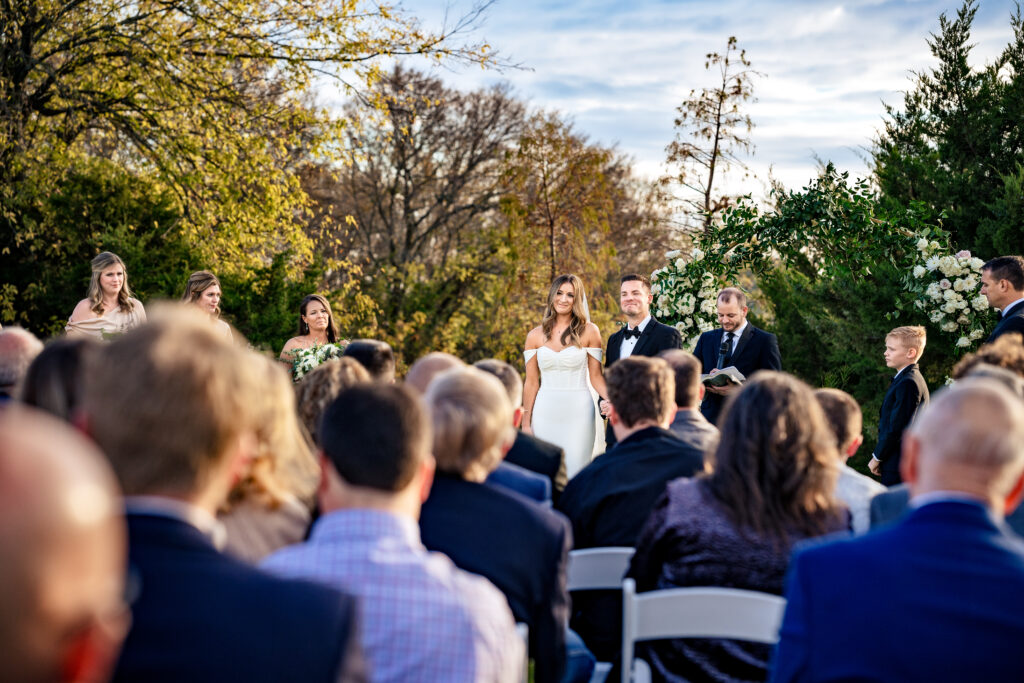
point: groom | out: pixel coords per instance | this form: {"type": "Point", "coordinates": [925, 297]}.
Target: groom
{"type": "Point", "coordinates": [642, 335]}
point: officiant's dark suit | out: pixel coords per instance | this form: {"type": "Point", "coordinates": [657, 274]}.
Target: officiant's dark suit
{"type": "Point", "coordinates": [755, 350]}
{"type": "Point", "coordinates": [652, 340]}
{"type": "Point", "coordinates": [1010, 320]}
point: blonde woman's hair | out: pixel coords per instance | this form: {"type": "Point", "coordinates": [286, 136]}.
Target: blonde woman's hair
{"type": "Point", "coordinates": [472, 422]}
{"type": "Point", "coordinates": [285, 464]}
{"type": "Point", "coordinates": [577, 317]}
{"type": "Point", "coordinates": [199, 282]}
{"type": "Point", "coordinates": [101, 262]}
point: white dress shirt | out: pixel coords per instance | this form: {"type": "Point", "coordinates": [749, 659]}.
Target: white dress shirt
{"type": "Point", "coordinates": [628, 344]}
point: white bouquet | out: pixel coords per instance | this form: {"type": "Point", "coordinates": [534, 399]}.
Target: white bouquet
{"type": "Point", "coordinates": [685, 295]}
{"type": "Point", "coordinates": [304, 360]}
{"type": "Point", "coordinates": [948, 288]}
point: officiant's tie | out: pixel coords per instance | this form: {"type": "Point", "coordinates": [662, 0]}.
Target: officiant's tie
{"type": "Point", "coordinates": [725, 355]}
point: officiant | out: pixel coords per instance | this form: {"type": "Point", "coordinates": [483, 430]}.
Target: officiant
{"type": "Point", "coordinates": [737, 344]}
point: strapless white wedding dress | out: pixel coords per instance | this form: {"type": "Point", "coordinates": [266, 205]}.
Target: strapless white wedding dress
{"type": "Point", "coordinates": [565, 411]}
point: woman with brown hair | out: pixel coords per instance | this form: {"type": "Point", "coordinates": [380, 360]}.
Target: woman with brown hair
{"type": "Point", "coordinates": [108, 307]}
{"type": "Point", "coordinates": [316, 327]}
{"type": "Point", "coordinates": [203, 290]}
{"type": "Point", "coordinates": [563, 360]}
{"type": "Point", "coordinates": [770, 483]}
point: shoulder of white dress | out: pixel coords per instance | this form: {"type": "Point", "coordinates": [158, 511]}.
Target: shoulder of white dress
{"type": "Point", "coordinates": [594, 351]}
{"type": "Point", "coordinates": [529, 353]}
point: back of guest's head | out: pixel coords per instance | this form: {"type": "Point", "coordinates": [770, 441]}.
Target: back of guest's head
{"type": "Point", "coordinates": [507, 375]}
{"type": "Point", "coordinates": [1010, 380]}
{"type": "Point", "coordinates": [53, 382]}
{"type": "Point", "coordinates": [471, 416]}
{"type": "Point", "coordinates": [729, 294]}
{"type": "Point", "coordinates": [1009, 268]}
{"type": "Point", "coordinates": [424, 370]}
{"type": "Point", "coordinates": [18, 348]}
{"type": "Point", "coordinates": [321, 386]}
{"type": "Point", "coordinates": [910, 337]}
{"type": "Point", "coordinates": [284, 464]}
{"type": "Point", "coordinates": [687, 369]}
{"type": "Point", "coordinates": [641, 389]}
{"type": "Point", "coordinates": [62, 553]}
{"type": "Point", "coordinates": [1007, 351]}
{"type": "Point", "coordinates": [971, 438]}
{"type": "Point", "coordinates": [376, 435]}
{"type": "Point", "coordinates": [776, 464]}
{"type": "Point", "coordinates": [843, 415]}
{"type": "Point", "coordinates": [374, 355]}
{"type": "Point", "coordinates": [168, 401]}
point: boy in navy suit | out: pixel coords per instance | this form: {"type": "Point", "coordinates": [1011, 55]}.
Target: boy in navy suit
{"type": "Point", "coordinates": [906, 396]}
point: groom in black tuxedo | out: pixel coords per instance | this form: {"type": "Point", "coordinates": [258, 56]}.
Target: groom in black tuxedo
{"type": "Point", "coordinates": [642, 335]}
{"type": "Point", "coordinates": [736, 343]}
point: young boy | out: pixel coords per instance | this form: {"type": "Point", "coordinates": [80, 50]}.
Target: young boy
{"type": "Point", "coordinates": [906, 396]}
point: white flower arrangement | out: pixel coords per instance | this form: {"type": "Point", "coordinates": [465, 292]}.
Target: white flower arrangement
{"type": "Point", "coordinates": [685, 294]}
{"type": "Point", "coordinates": [305, 360]}
{"type": "Point", "coordinates": [948, 290]}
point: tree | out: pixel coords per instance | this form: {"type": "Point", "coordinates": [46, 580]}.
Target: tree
{"type": "Point", "coordinates": [711, 131]}
{"type": "Point", "coordinates": [957, 144]}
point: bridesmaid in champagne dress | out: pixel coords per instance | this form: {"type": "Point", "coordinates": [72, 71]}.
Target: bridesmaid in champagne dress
{"type": "Point", "coordinates": [563, 364]}
{"type": "Point", "coordinates": [108, 307]}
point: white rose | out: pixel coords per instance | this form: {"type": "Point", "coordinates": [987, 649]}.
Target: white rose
{"type": "Point", "coordinates": [697, 254]}
{"type": "Point", "coordinates": [934, 245]}
{"type": "Point", "coordinates": [976, 263]}
{"type": "Point", "coordinates": [672, 254]}
{"type": "Point", "coordinates": [963, 341]}
{"type": "Point", "coordinates": [919, 271]}
{"type": "Point", "coordinates": [944, 283]}
{"type": "Point", "coordinates": [949, 326]}
{"type": "Point", "coordinates": [963, 320]}
{"type": "Point", "coordinates": [980, 302]}
{"type": "Point", "coordinates": [655, 288]}
{"type": "Point", "coordinates": [689, 322]}
{"type": "Point", "coordinates": [936, 316]}
{"type": "Point", "coordinates": [948, 307]}
{"type": "Point", "coordinates": [922, 244]}
{"type": "Point", "coordinates": [976, 334]}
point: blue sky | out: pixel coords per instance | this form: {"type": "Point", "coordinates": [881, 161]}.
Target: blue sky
{"type": "Point", "coordinates": [619, 69]}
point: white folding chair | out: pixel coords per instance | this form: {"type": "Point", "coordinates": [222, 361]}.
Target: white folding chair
{"type": "Point", "coordinates": [596, 569]}
{"type": "Point", "coordinates": [524, 632]}
{"type": "Point", "coordinates": [694, 613]}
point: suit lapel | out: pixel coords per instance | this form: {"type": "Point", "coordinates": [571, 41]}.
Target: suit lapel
{"type": "Point", "coordinates": [614, 346]}
{"type": "Point", "coordinates": [748, 332]}
{"type": "Point", "coordinates": [645, 338]}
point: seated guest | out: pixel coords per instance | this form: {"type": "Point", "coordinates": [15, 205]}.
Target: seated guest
{"type": "Point", "coordinates": [270, 506]}
{"type": "Point", "coordinates": [53, 381]}
{"type": "Point", "coordinates": [608, 501]}
{"type": "Point", "coordinates": [428, 367]}
{"type": "Point", "coordinates": [771, 484]}
{"type": "Point", "coordinates": [177, 434]}
{"type": "Point", "coordinates": [376, 356]}
{"type": "Point", "coordinates": [322, 385]}
{"type": "Point", "coordinates": [527, 451]}
{"type": "Point", "coordinates": [689, 424]}
{"type": "Point", "coordinates": [62, 554]}
{"type": "Point", "coordinates": [854, 489]}
{"type": "Point", "coordinates": [939, 595]}
{"type": "Point", "coordinates": [1007, 351]}
{"type": "Point", "coordinates": [519, 545]}
{"type": "Point", "coordinates": [18, 348]}
{"type": "Point", "coordinates": [444, 624]}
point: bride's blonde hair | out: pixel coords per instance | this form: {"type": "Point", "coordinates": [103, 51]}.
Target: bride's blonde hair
{"type": "Point", "coordinates": [577, 316]}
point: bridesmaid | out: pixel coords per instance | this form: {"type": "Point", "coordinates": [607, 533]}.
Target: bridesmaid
{"type": "Point", "coordinates": [316, 327]}
{"type": "Point", "coordinates": [203, 290]}
{"type": "Point", "coordinates": [108, 307]}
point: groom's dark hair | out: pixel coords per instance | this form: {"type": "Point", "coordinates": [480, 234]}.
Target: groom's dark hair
{"type": "Point", "coordinates": [629, 277]}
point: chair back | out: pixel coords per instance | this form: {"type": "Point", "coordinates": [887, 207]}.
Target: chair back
{"type": "Point", "coordinates": [696, 613]}
{"type": "Point", "coordinates": [597, 568]}
{"type": "Point", "coordinates": [523, 631]}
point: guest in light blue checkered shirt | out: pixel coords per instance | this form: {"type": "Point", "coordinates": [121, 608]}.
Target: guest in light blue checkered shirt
{"type": "Point", "coordinates": [423, 618]}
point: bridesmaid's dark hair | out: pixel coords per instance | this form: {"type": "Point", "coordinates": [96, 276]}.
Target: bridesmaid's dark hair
{"type": "Point", "coordinates": [332, 330]}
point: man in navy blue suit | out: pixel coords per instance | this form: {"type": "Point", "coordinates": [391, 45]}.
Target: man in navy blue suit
{"type": "Point", "coordinates": [736, 343]}
{"type": "Point", "coordinates": [939, 595]}
{"type": "Point", "coordinates": [1002, 282]}
{"type": "Point", "coordinates": [170, 404]}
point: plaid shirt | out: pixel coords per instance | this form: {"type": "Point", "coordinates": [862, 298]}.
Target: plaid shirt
{"type": "Point", "coordinates": [423, 619]}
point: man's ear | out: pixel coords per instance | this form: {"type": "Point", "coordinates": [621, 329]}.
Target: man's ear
{"type": "Point", "coordinates": [517, 417]}
{"type": "Point", "coordinates": [909, 461]}
{"type": "Point", "coordinates": [701, 389]}
{"type": "Point", "coordinates": [613, 416]}
{"type": "Point", "coordinates": [325, 472]}
{"type": "Point", "coordinates": [854, 445]}
{"type": "Point", "coordinates": [427, 468]}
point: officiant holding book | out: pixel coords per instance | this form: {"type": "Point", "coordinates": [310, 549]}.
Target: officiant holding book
{"type": "Point", "coordinates": [736, 344]}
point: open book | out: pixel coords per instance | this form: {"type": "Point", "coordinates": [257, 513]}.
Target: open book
{"type": "Point", "coordinates": [729, 375]}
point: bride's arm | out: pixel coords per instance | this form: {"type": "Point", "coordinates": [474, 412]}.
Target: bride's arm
{"type": "Point", "coordinates": [532, 384]}
{"type": "Point", "coordinates": [592, 339]}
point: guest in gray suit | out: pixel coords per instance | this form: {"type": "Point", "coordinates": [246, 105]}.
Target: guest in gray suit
{"type": "Point", "coordinates": [688, 424]}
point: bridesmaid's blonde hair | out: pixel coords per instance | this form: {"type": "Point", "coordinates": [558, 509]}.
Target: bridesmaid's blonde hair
{"type": "Point", "coordinates": [103, 261]}
{"type": "Point", "coordinates": [577, 317]}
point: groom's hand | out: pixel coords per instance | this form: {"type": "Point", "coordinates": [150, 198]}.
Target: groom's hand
{"type": "Point", "coordinates": [604, 406]}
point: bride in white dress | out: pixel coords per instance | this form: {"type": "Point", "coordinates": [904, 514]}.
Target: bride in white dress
{"type": "Point", "coordinates": [561, 355]}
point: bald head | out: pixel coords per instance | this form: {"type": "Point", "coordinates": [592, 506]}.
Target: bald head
{"type": "Point", "coordinates": [428, 367]}
{"type": "Point", "coordinates": [18, 348]}
{"type": "Point", "coordinates": [969, 439]}
{"type": "Point", "coordinates": [62, 553]}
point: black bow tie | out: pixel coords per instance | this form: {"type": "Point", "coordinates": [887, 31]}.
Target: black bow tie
{"type": "Point", "coordinates": [635, 332]}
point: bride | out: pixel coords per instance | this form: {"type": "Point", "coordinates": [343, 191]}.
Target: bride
{"type": "Point", "coordinates": [560, 356]}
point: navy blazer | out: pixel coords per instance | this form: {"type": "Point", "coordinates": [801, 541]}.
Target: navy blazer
{"type": "Point", "coordinates": [1010, 320]}
{"type": "Point", "coordinates": [522, 481]}
{"type": "Point", "coordinates": [906, 397]}
{"type": "Point", "coordinates": [204, 616]}
{"type": "Point", "coordinates": [608, 503]}
{"type": "Point", "coordinates": [655, 338]}
{"type": "Point", "coordinates": [888, 506]}
{"type": "Point", "coordinates": [938, 596]}
{"type": "Point", "coordinates": [520, 546]}
{"type": "Point", "coordinates": [755, 350]}
{"type": "Point", "coordinates": [541, 457]}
